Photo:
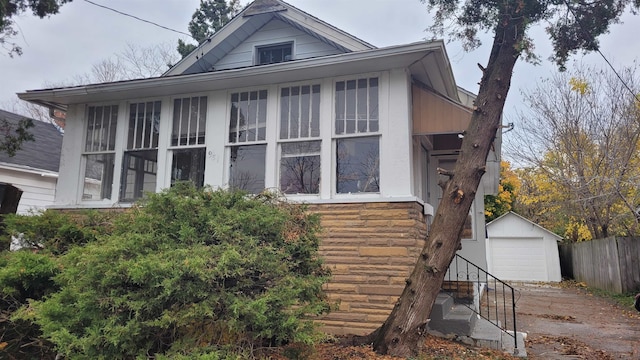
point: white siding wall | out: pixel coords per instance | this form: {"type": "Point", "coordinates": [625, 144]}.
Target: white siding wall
{"type": "Point", "coordinates": [275, 32]}
{"type": "Point", "coordinates": [38, 191]}
{"type": "Point", "coordinates": [70, 157]}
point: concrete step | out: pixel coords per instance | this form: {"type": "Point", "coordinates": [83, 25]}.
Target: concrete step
{"type": "Point", "coordinates": [441, 307]}
{"type": "Point", "coordinates": [459, 320]}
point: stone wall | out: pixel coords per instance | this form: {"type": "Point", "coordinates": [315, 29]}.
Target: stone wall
{"type": "Point", "coordinates": [371, 249]}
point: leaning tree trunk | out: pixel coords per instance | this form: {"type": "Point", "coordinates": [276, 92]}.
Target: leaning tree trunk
{"type": "Point", "coordinates": [404, 331]}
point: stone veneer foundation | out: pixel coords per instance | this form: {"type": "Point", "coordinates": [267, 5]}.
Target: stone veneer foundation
{"type": "Point", "coordinates": [370, 248]}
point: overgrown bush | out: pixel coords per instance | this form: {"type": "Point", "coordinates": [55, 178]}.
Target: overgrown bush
{"type": "Point", "coordinates": [55, 231]}
{"type": "Point", "coordinates": [24, 275]}
{"type": "Point", "coordinates": [189, 273]}
{"type": "Point", "coordinates": [28, 274]}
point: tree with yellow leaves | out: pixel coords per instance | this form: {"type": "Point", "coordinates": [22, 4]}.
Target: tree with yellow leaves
{"type": "Point", "coordinates": [497, 205]}
{"type": "Point", "coordinates": [581, 141]}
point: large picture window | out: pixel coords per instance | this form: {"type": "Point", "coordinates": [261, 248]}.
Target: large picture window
{"type": "Point", "coordinates": [140, 160]}
{"type": "Point", "coordinates": [300, 167]}
{"type": "Point", "coordinates": [187, 140]}
{"type": "Point", "coordinates": [99, 152]}
{"type": "Point", "coordinates": [247, 134]}
{"type": "Point", "coordinates": [358, 165]}
{"type": "Point", "coordinates": [357, 152]}
{"type": "Point", "coordinates": [247, 168]}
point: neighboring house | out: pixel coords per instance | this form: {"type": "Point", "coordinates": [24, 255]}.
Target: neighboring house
{"type": "Point", "coordinates": [518, 249]}
{"type": "Point", "coordinates": [278, 99]}
{"type": "Point", "coordinates": [34, 168]}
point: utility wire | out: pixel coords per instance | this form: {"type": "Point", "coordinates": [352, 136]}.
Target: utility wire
{"type": "Point", "coordinates": [137, 18]}
{"type": "Point", "coordinates": [636, 96]}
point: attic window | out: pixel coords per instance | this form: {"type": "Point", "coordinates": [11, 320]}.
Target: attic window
{"type": "Point", "coordinates": [274, 53]}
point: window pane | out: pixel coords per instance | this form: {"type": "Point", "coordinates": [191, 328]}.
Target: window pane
{"type": "Point", "coordinates": [139, 170]}
{"type": "Point", "coordinates": [188, 165]}
{"type": "Point", "coordinates": [340, 107]}
{"type": "Point", "coordinates": [144, 123]}
{"type": "Point", "coordinates": [300, 168]}
{"type": "Point", "coordinates": [373, 105]}
{"type": "Point", "coordinates": [262, 115]}
{"type": "Point", "coordinates": [233, 123]}
{"type": "Point", "coordinates": [284, 113]}
{"type": "Point", "coordinates": [357, 106]}
{"type": "Point", "coordinates": [361, 104]}
{"type": "Point", "coordinates": [274, 54]}
{"type": "Point", "coordinates": [351, 107]}
{"type": "Point", "coordinates": [295, 113]}
{"type": "Point", "coordinates": [358, 165]}
{"type": "Point", "coordinates": [247, 168]}
{"type": "Point", "coordinates": [300, 112]}
{"type": "Point", "coordinates": [101, 128]}
{"type": "Point", "coordinates": [248, 117]}
{"type": "Point", "coordinates": [315, 111]}
{"type": "Point", "coordinates": [98, 176]}
{"type": "Point", "coordinates": [202, 120]}
{"type": "Point", "coordinates": [305, 102]}
{"type": "Point", "coordinates": [185, 122]}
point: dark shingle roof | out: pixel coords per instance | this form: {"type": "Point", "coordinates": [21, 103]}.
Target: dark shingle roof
{"type": "Point", "coordinates": [43, 153]}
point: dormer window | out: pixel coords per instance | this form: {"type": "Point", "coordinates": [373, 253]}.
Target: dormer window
{"type": "Point", "coordinates": [272, 54]}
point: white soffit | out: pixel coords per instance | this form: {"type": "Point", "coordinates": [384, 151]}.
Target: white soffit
{"type": "Point", "coordinates": [426, 60]}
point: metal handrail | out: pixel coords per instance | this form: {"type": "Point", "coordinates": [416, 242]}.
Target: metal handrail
{"type": "Point", "coordinates": [505, 317]}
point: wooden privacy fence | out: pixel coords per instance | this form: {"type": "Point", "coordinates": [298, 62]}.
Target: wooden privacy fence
{"type": "Point", "coordinates": [611, 264]}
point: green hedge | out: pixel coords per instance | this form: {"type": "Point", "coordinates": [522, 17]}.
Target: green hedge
{"type": "Point", "coordinates": [186, 274]}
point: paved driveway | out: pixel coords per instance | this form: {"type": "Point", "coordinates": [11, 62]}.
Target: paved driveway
{"type": "Point", "coordinates": [569, 323]}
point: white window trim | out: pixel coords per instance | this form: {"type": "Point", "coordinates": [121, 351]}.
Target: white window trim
{"type": "Point", "coordinates": [117, 151]}
{"type": "Point", "coordinates": [165, 182]}
{"type": "Point", "coordinates": [323, 141]}
{"type": "Point", "coordinates": [382, 114]}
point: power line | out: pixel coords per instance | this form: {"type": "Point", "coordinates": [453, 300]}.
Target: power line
{"type": "Point", "coordinates": [636, 96]}
{"type": "Point", "coordinates": [137, 18]}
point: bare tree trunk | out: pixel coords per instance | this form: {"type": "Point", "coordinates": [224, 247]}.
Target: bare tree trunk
{"type": "Point", "coordinates": [404, 331]}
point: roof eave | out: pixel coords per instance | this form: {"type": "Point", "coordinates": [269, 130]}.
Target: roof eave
{"type": "Point", "coordinates": [299, 70]}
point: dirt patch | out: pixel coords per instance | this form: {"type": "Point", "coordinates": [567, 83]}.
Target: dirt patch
{"type": "Point", "coordinates": [569, 323]}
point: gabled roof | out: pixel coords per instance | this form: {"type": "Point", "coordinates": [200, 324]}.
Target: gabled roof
{"type": "Point", "coordinates": [511, 214]}
{"type": "Point", "coordinates": [250, 20]}
{"type": "Point", "coordinates": [41, 154]}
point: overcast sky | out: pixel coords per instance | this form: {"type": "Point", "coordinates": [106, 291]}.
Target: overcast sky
{"type": "Point", "coordinates": [82, 34]}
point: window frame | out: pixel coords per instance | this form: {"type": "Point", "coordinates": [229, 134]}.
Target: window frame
{"type": "Point", "coordinates": [86, 153]}
{"type": "Point", "coordinates": [200, 141]}
{"type": "Point", "coordinates": [336, 136]}
{"type": "Point", "coordinates": [274, 46]}
{"type": "Point", "coordinates": [313, 135]}
{"type": "Point", "coordinates": [229, 145]}
{"type": "Point", "coordinates": [135, 148]}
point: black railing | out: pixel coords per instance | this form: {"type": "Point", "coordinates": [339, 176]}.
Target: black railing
{"type": "Point", "coordinates": [466, 282]}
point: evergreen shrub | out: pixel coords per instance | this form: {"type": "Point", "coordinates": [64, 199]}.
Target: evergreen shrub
{"type": "Point", "coordinates": [188, 274]}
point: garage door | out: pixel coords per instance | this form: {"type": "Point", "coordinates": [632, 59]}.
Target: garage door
{"type": "Point", "coordinates": [520, 259]}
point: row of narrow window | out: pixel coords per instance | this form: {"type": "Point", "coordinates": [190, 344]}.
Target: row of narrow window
{"type": "Point", "coordinates": [357, 158]}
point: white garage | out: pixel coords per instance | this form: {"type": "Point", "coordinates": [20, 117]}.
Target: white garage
{"type": "Point", "coordinates": [520, 250]}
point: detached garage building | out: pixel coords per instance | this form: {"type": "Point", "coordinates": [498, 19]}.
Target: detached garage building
{"type": "Point", "coordinates": [520, 250]}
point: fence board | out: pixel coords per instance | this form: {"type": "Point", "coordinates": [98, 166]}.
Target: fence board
{"type": "Point", "coordinates": [611, 264]}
